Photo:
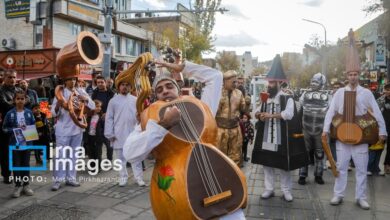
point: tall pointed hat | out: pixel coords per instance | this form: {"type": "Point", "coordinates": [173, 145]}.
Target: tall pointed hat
{"type": "Point", "coordinates": [276, 73]}
{"type": "Point", "coordinates": [352, 59]}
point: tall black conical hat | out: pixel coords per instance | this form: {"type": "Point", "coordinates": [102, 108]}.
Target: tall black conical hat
{"type": "Point", "coordinates": [276, 73]}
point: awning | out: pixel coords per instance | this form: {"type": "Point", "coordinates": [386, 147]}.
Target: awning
{"type": "Point", "coordinates": [30, 76]}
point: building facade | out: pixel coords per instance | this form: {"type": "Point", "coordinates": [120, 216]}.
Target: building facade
{"type": "Point", "coordinates": [247, 64]}
{"type": "Point", "coordinates": [375, 71]}
{"type": "Point", "coordinates": [48, 24]}
{"type": "Point", "coordinates": [165, 27]}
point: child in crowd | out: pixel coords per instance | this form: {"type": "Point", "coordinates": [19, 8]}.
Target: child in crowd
{"type": "Point", "coordinates": [95, 132]}
{"type": "Point", "coordinates": [43, 128]}
{"type": "Point", "coordinates": [19, 117]}
{"type": "Point", "coordinates": [247, 135]}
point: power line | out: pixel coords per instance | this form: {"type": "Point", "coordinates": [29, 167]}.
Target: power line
{"type": "Point", "coordinates": [221, 10]}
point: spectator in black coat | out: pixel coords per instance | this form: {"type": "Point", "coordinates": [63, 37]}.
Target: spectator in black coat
{"type": "Point", "coordinates": [103, 94]}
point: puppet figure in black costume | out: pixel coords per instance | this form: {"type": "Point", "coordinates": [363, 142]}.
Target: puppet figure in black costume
{"type": "Point", "coordinates": [315, 103]}
{"type": "Point", "coordinates": [279, 140]}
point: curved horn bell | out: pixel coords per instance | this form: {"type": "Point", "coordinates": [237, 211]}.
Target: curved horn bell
{"type": "Point", "coordinates": [86, 50]}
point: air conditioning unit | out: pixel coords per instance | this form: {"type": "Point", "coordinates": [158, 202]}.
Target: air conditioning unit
{"type": "Point", "coordinates": [8, 43]}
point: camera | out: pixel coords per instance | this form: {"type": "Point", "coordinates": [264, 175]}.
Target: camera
{"type": "Point", "coordinates": [170, 55]}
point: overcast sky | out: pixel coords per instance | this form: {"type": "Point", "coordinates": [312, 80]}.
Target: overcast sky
{"type": "Point", "coordinates": [268, 27]}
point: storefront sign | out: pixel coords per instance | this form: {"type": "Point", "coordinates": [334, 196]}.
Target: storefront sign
{"type": "Point", "coordinates": [380, 52]}
{"type": "Point", "coordinates": [83, 12]}
{"type": "Point", "coordinates": [30, 61]}
{"type": "Point", "coordinates": [17, 8]}
{"type": "Point", "coordinates": [86, 69]}
{"type": "Point", "coordinates": [373, 76]}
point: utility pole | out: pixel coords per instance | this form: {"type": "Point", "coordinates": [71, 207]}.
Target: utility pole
{"type": "Point", "coordinates": [324, 53]}
{"type": "Point", "coordinates": [105, 38]}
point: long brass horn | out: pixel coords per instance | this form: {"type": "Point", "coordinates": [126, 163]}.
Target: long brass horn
{"type": "Point", "coordinates": [86, 50]}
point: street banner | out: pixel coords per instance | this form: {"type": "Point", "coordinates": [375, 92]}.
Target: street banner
{"type": "Point", "coordinates": [380, 52]}
{"type": "Point", "coordinates": [17, 8]}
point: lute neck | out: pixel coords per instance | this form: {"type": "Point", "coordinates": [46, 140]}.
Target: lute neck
{"type": "Point", "coordinates": [349, 106]}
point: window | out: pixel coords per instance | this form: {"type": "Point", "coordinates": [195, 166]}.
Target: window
{"type": "Point", "coordinates": [137, 48]}
{"type": "Point", "coordinates": [133, 47]}
{"type": "Point", "coordinates": [38, 40]}
{"type": "Point", "coordinates": [130, 47]}
{"type": "Point", "coordinates": [94, 1]}
{"type": "Point", "coordinates": [118, 44]}
{"type": "Point", "coordinates": [75, 29]}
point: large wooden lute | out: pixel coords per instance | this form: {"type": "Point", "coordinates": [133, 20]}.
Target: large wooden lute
{"type": "Point", "coordinates": [351, 129]}
{"type": "Point", "coordinates": [192, 179]}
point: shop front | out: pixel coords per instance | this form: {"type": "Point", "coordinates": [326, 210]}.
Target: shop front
{"type": "Point", "coordinates": [30, 64]}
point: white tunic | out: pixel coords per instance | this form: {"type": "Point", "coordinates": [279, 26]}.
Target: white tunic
{"type": "Point", "coordinates": [120, 119]}
{"type": "Point", "coordinates": [140, 143]}
{"type": "Point", "coordinates": [364, 100]}
{"type": "Point", "coordinates": [64, 125]}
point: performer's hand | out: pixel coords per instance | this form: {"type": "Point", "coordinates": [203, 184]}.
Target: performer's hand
{"type": "Point", "coordinates": [171, 117]}
{"type": "Point", "coordinates": [60, 102]}
{"type": "Point", "coordinates": [257, 115]}
{"type": "Point", "coordinates": [112, 139]}
{"type": "Point", "coordinates": [261, 116]}
{"type": "Point", "coordinates": [265, 115]}
{"type": "Point", "coordinates": [82, 98]}
{"type": "Point", "coordinates": [382, 138]}
{"type": "Point", "coordinates": [324, 134]}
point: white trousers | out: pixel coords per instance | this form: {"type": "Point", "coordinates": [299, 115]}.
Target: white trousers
{"type": "Point", "coordinates": [359, 154]}
{"type": "Point", "coordinates": [62, 168]}
{"type": "Point", "coordinates": [285, 179]}
{"type": "Point", "coordinates": [137, 167]}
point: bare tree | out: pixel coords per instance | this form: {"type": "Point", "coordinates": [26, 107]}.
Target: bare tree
{"type": "Point", "coordinates": [228, 61]}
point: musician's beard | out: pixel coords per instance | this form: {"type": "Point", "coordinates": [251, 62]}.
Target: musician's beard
{"type": "Point", "coordinates": [272, 91]}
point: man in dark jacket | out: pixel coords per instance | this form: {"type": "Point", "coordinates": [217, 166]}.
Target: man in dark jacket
{"type": "Point", "coordinates": [7, 93]}
{"type": "Point", "coordinates": [32, 97]}
{"type": "Point", "coordinates": [104, 95]}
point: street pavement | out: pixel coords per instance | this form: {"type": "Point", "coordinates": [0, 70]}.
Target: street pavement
{"type": "Point", "coordinates": [106, 200]}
